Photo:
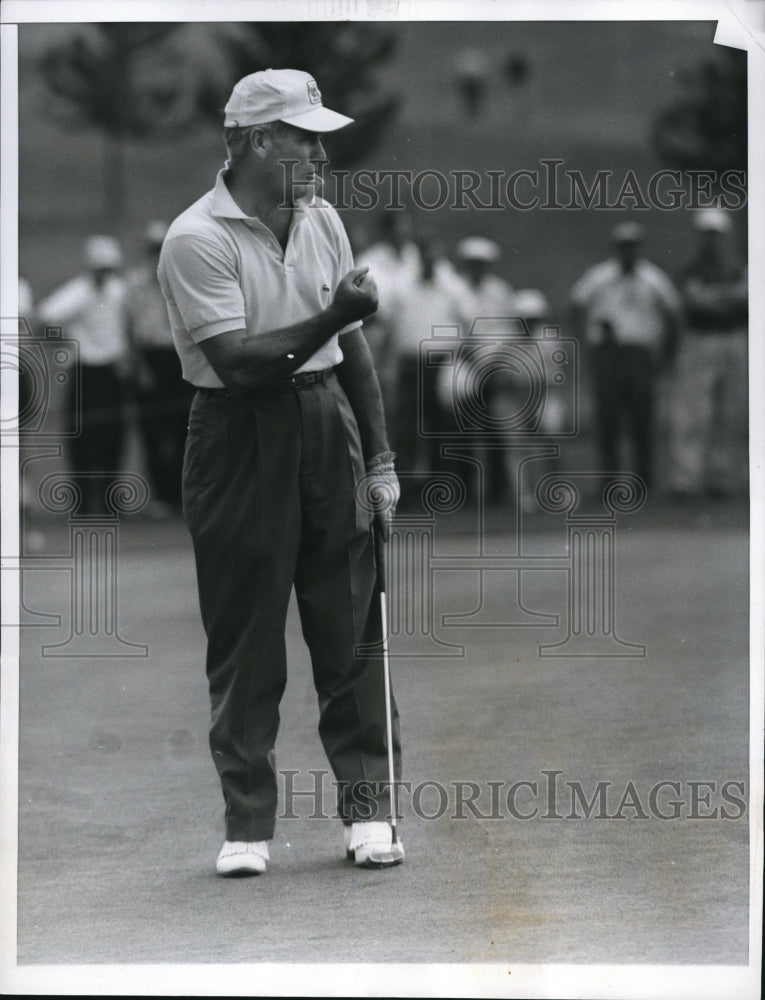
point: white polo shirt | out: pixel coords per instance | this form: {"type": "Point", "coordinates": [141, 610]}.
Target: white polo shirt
{"type": "Point", "coordinates": [147, 310]}
{"type": "Point", "coordinates": [92, 315]}
{"type": "Point", "coordinates": [415, 309]}
{"type": "Point", "coordinates": [221, 270]}
{"type": "Point", "coordinates": [492, 303]}
{"type": "Point", "coordinates": [636, 305]}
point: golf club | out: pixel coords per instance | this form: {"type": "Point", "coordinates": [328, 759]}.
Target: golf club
{"type": "Point", "coordinates": [384, 859]}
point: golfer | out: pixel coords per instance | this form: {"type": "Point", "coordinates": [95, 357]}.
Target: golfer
{"type": "Point", "coordinates": [286, 422]}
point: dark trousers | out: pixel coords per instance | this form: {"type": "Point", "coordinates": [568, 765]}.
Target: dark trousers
{"type": "Point", "coordinates": [269, 498]}
{"type": "Point", "coordinates": [97, 406]}
{"type": "Point", "coordinates": [623, 382]}
{"type": "Point", "coordinates": [417, 410]}
{"type": "Point", "coordinates": [163, 416]}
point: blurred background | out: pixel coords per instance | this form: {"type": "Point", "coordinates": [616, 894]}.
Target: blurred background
{"type": "Point", "coordinates": [120, 128]}
{"type": "Point", "coordinates": [121, 123]}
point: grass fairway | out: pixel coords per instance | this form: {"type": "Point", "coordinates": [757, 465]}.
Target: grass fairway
{"type": "Point", "coordinates": [120, 811]}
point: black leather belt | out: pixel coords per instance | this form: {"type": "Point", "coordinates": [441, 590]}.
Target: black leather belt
{"type": "Point", "coordinates": [304, 379]}
{"type": "Point", "coordinates": [213, 393]}
{"type": "Point", "coordinates": [299, 381]}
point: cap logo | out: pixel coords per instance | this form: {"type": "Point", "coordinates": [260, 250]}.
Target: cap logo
{"type": "Point", "coordinates": [314, 95]}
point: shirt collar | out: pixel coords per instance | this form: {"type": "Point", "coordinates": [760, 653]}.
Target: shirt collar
{"type": "Point", "coordinates": [225, 207]}
{"type": "Point", "coordinates": [223, 204]}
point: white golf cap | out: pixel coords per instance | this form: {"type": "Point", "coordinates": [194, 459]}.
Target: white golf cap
{"type": "Point", "coordinates": [281, 95]}
{"type": "Point", "coordinates": [530, 303]}
{"type": "Point", "coordinates": [628, 232]}
{"type": "Point", "coordinates": [155, 233]}
{"type": "Point", "coordinates": [478, 248]}
{"type": "Point", "coordinates": [712, 220]}
{"type": "Point", "coordinates": [102, 251]}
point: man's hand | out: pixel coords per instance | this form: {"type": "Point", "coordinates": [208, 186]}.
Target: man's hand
{"type": "Point", "coordinates": [355, 297]}
{"type": "Point", "coordinates": [383, 489]}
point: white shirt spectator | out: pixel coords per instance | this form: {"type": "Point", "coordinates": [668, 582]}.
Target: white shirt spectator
{"type": "Point", "coordinates": [147, 310]}
{"type": "Point", "coordinates": [491, 302]}
{"type": "Point", "coordinates": [635, 305]}
{"type": "Point", "coordinates": [92, 315]}
{"type": "Point", "coordinates": [418, 308]}
{"type": "Point", "coordinates": [392, 272]}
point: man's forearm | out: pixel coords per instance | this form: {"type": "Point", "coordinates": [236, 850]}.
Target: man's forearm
{"type": "Point", "coordinates": [359, 381]}
{"type": "Point", "coordinates": [245, 362]}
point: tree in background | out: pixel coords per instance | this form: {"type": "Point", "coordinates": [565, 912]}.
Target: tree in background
{"type": "Point", "coordinates": [346, 59]}
{"type": "Point", "coordinates": [124, 80]}
{"type": "Point", "coordinates": [706, 128]}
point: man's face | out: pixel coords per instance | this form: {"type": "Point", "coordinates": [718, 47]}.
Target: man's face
{"type": "Point", "coordinates": [297, 156]}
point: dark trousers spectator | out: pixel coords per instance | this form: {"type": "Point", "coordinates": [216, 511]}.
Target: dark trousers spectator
{"type": "Point", "coordinates": [95, 454]}
{"type": "Point", "coordinates": [417, 413]}
{"type": "Point", "coordinates": [164, 402]}
{"type": "Point", "coordinates": [623, 379]}
{"type": "Point", "coordinates": [502, 404]}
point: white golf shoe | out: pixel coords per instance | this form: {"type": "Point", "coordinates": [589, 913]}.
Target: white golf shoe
{"type": "Point", "coordinates": [370, 845]}
{"type": "Point", "coordinates": [238, 858]}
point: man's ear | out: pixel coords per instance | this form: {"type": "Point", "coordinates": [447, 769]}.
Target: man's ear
{"type": "Point", "coordinates": [260, 142]}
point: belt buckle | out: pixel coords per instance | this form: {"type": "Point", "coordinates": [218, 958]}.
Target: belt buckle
{"type": "Point", "coordinates": [303, 379]}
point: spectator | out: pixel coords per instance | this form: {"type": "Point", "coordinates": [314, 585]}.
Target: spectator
{"type": "Point", "coordinates": [91, 308]}
{"type": "Point", "coordinates": [626, 312]}
{"type": "Point", "coordinates": [394, 260]}
{"type": "Point", "coordinates": [394, 255]}
{"type": "Point", "coordinates": [487, 296]}
{"type": "Point", "coordinates": [415, 308]}
{"type": "Point", "coordinates": [164, 398]}
{"type": "Point", "coordinates": [472, 80]}
{"type": "Point", "coordinates": [488, 305]}
{"type": "Point", "coordinates": [709, 436]}
{"type": "Point", "coordinates": [533, 308]}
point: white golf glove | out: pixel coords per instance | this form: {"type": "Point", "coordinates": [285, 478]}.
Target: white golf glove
{"type": "Point", "coordinates": [383, 488]}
